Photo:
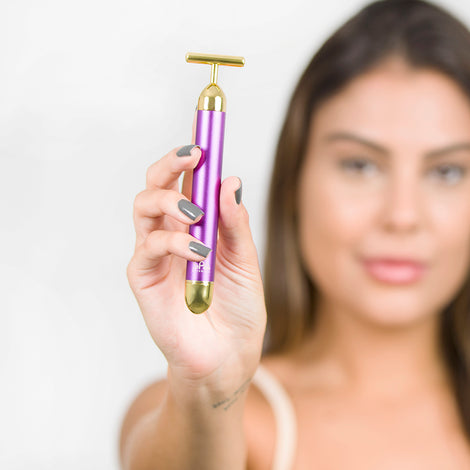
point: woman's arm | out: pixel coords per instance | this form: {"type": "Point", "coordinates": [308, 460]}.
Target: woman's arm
{"type": "Point", "coordinates": [195, 418]}
{"type": "Point", "coordinates": [164, 431]}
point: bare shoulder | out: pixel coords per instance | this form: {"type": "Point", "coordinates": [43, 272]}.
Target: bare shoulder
{"type": "Point", "coordinates": [145, 402]}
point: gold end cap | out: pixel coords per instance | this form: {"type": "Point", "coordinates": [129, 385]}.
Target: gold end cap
{"type": "Point", "coordinates": [198, 295]}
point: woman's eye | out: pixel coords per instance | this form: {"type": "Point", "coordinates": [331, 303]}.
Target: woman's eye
{"type": "Point", "coordinates": [450, 174]}
{"type": "Point", "coordinates": [358, 165]}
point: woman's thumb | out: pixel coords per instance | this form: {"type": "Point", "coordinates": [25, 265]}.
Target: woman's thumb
{"type": "Point", "coordinates": [234, 229]}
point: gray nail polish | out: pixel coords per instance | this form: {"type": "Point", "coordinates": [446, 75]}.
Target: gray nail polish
{"type": "Point", "coordinates": [189, 209]}
{"type": "Point", "coordinates": [185, 151]}
{"type": "Point", "coordinates": [199, 248]}
{"type": "Point", "coordinates": [238, 194]}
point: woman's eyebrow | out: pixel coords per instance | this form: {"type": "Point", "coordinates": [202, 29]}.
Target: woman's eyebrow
{"type": "Point", "coordinates": [338, 136]}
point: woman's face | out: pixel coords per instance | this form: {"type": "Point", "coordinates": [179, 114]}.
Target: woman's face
{"type": "Point", "coordinates": [387, 175]}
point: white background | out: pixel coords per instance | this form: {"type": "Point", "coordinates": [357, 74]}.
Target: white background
{"type": "Point", "coordinates": [91, 93]}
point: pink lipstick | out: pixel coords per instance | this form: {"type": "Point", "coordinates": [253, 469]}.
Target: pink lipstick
{"type": "Point", "coordinates": [394, 271]}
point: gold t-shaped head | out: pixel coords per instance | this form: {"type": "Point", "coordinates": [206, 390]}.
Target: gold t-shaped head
{"type": "Point", "coordinates": [212, 97]}
{"type": "Point", "coordinates": [214, 61]}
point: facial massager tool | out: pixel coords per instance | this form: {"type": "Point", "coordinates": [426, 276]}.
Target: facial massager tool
{"type": "Point", "coordinates": [206, 180]}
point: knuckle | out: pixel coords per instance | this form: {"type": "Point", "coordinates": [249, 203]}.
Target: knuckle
{"type": "Point", "coordinates": [153, 238]}
{"type": "Point", "coordinates": [152, 170]}
{"type": "Point", "coordinates": [130, 270]}
{"type": "Point", "coordinates": [138, 200]}
{"type": "Point", "coordinates": [149, 173]}
{"type": "Point", "coordinates": [164, 196]}
{"type": "Point", "coordinates": [157, 241]}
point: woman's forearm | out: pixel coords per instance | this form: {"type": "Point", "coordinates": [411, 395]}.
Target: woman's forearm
{"type": "Point", "coordinates": [198, 433]}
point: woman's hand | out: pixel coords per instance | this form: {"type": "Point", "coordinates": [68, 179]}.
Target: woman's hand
{"type": "Point", "coordinates": [220, 348]}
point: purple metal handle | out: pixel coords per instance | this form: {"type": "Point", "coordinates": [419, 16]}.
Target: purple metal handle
{"type": "Point", "coordinates": [206, 190]}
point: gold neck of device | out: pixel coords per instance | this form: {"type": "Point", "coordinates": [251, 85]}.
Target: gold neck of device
{"type": "Point", "coordinates": [212, 97]}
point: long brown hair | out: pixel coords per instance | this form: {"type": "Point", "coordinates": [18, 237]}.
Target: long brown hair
{"type": "Point", "coordinates": [426, 36]}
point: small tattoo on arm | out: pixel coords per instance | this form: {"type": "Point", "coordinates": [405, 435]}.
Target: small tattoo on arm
{"type": "Point", "coordinates": [228, 402]}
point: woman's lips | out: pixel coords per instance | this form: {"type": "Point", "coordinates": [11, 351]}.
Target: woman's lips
{"type": "Point", "coordinates": [394, 271]}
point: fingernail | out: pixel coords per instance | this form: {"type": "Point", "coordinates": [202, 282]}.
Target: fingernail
{"type": "Point", "coordinates": [199, 248]}
{"type": "Point", "coordinates": [186, 150]}
{"type": "Point", "coordinates": [238, 193]}
{"type": "Point", "coordinates": [189, 209]}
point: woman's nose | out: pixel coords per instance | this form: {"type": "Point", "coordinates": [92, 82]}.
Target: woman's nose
{"type": "Point", "coordinates": [402, 206]}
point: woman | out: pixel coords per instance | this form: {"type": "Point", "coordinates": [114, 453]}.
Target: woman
{"type": "Point", "coordinates": [366, 360]}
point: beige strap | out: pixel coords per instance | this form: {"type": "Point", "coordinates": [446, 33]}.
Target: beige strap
{"type": "Point", "coordinates": [284, 413]}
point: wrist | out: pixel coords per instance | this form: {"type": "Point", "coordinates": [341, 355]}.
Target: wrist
{"type": "Point", "coordinates": [214, 394]}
